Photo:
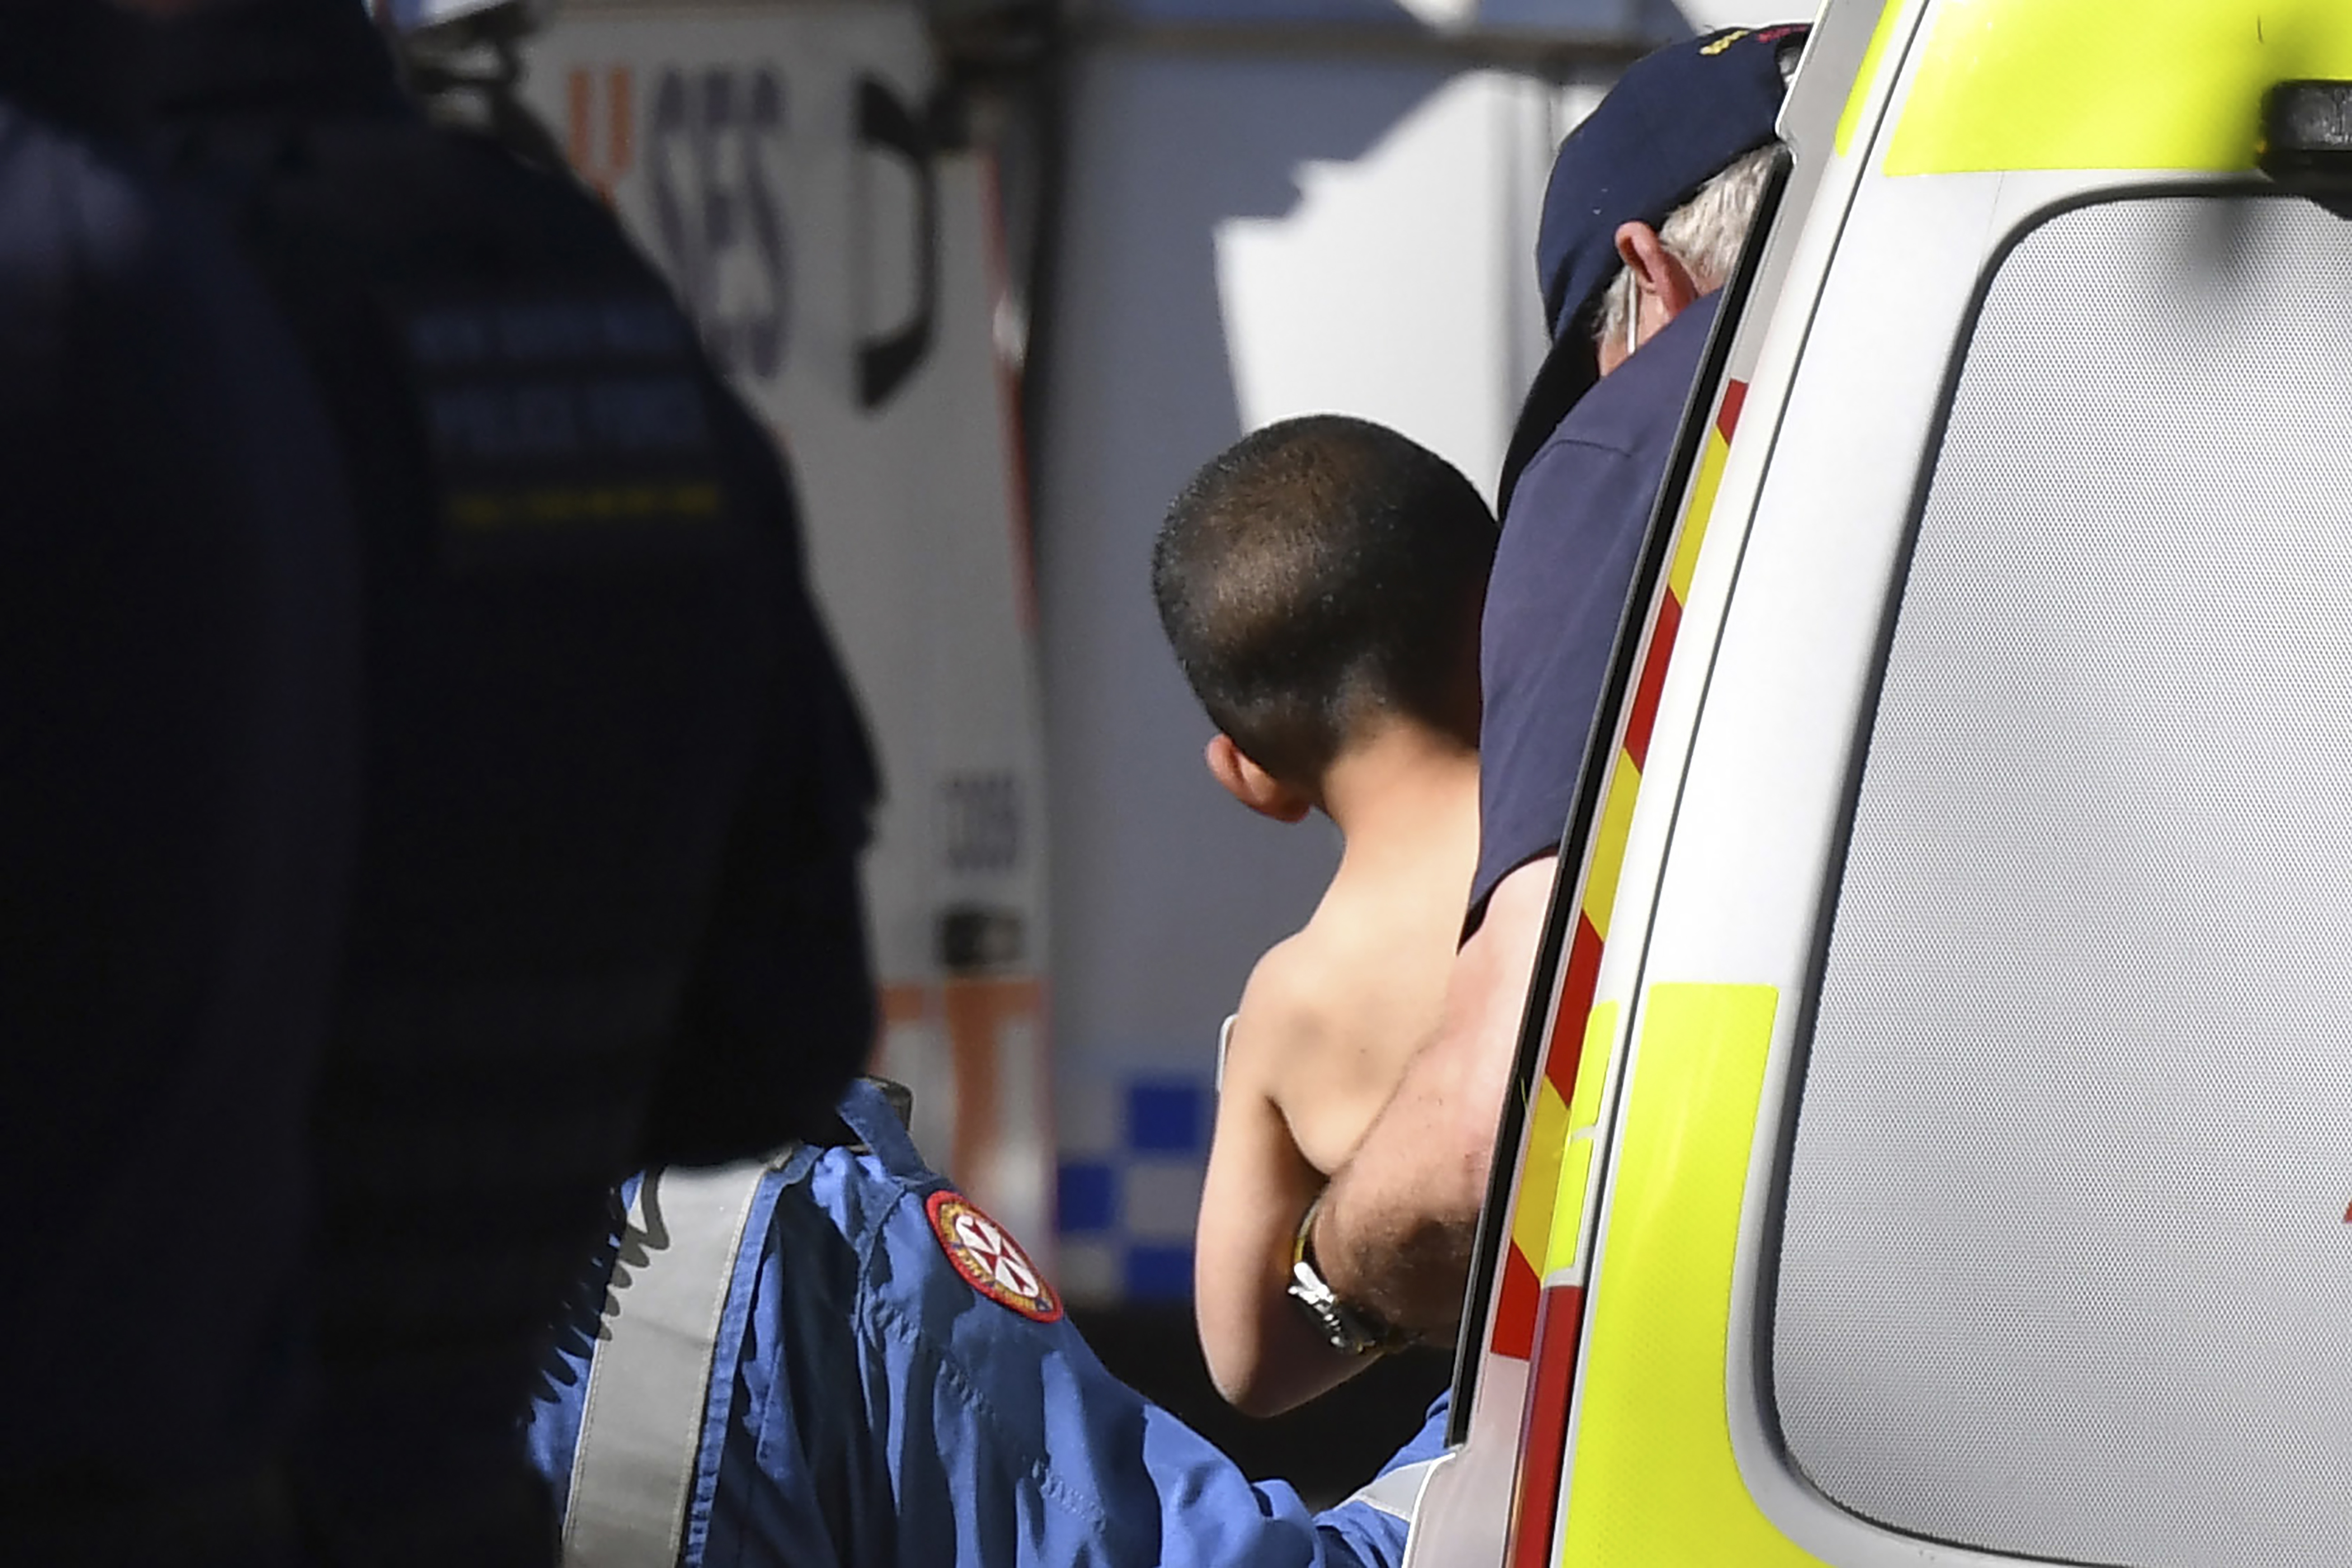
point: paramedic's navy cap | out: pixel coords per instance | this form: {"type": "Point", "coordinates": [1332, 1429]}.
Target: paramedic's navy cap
{"type": "Point", "coordinates": [1674, 121]}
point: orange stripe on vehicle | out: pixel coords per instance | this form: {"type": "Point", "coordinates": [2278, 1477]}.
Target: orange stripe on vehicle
{"type": "Point", "coordinates": [623, 127]}
{"type": "Point", "coordinates": [1575, 1001]}
{"type": "Point", "coordinates": [1543, 1427]}
{"type": "Point", "coordinates": [579, 110]}
{"type": "Point", "coordinates": [1537, 1194]}
{"type": "Point", "coordinates": [1727, 417]}
{"type": "Point", "coordinates": [1543, 1453]}
{"type": "Point", "coordinates": [977, 1010]}
{"type": "Point", "coordinates": [1557, 1091]}
{"type": "Point", "coordinates": [1643, 714]}
{"type": "Point", "coordinates": [1532, 1209]}
{"type": "Point", "coordinates": [1514, 1307]}
{"type": "Point", "coordinates": [904, 1001]}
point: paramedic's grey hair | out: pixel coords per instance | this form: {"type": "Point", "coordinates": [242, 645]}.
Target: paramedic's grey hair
{"type": "Point", "coordinates": [1705, 233]}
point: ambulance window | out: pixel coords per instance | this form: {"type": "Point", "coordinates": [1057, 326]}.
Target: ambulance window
{"type": "Point", "coordinates": [2065, 1268]}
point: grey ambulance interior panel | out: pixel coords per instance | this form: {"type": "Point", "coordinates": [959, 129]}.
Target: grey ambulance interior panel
{"type": "Point", "coordinates": [2065, 1269]}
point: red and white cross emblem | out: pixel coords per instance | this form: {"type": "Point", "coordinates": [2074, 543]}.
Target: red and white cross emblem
{"type": "Point", "coordinates": [988, 1257]}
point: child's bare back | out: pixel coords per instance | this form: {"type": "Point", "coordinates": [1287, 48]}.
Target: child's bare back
{"type": "Point", "coordinates": [1322, 583]}
{"type": "Point", "coordinates": [1332, 1014]}
{"type": "Point", "coordinates": [1325, 1029]}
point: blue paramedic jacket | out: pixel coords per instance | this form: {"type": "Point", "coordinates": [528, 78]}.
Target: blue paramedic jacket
{"type": "Point", "coordinates": [891, 1381]}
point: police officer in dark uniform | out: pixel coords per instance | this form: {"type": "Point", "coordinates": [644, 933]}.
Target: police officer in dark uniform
{"type": "Point", "coordinates": [604, 910]}
{"type": "Point", "coordinates": [178, 604]}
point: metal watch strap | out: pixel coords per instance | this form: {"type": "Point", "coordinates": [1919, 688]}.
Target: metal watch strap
{"type": "Point", "coordinates": [1350, 1330]}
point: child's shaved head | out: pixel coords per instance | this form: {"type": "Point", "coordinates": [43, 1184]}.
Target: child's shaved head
{"type": "Point", "coordinates": [1320, 574]}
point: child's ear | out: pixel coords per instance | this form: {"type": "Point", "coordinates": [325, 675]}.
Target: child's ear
{"type": "Point", "coordinates": [1251, 785]}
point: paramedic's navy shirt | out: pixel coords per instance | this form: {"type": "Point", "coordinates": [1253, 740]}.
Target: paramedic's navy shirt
{"type": "Point", "coordinates": [1561, 573]}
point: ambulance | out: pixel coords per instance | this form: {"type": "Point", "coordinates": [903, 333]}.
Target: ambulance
{"type": "Point", "coordinates": [1933, 1143]}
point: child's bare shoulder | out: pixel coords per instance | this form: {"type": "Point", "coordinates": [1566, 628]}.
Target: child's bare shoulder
{"type": "Point", "coordinates": [1285, 1015]}
{"type": "Point", "coordinates": [1312, 1032]}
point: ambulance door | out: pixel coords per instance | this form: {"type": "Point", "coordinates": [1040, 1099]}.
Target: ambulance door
{"type": "Point", "coordinates": [1492, 1497]}
{"type": "Point", "coordinates": [1967, 1135]}
{"type": "Point", "coordinates": [773, 160]}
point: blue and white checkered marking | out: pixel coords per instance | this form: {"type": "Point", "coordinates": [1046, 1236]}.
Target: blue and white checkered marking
{"type": "Point", "coordinates": [1129, 1190]}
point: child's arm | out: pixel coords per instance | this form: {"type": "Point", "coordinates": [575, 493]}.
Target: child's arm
{"type": "Point", "coordinates": [1261, 1351]}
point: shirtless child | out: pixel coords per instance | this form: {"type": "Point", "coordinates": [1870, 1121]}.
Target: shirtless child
{"type": "Point", "coordinates": [1321, 582]}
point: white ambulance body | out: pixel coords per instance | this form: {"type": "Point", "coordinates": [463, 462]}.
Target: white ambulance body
{"type": "Point", "coordinates": [1937, 1131]}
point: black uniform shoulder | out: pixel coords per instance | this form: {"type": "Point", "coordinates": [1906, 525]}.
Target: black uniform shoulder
{"type": "Point", "coordinates": [301, 99]}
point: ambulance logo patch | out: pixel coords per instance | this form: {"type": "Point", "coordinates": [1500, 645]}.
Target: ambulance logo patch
{"type": "Point", "coordinates": [990, 1261]}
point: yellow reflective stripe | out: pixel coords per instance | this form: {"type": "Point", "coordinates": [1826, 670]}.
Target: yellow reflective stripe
{"type": "Point", "coordinates": [1655, 1484]}
{"type": "Point", "coordinates": [1710, 478]}
{"type": "Point", "coordinates": [1592, 1066]}
{"type": "Point", "coordinates": [1572, 1171]}
{"type": "Point", "coordinates": [1547, 1135]}
{"type": "Point", "coordinates": [2108, 84]}
{"type": "Point", "coordinates": [1851, 116]}
{"type": "Point", "coordinates": [1568, 1209]}
{"type": "Point", "coordinates": [1608, 843]}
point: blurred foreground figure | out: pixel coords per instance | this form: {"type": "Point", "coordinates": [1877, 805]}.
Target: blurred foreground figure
{"type": "Point", "coordinates": [832, 1359]}
{"type": "Point", "coordinates": [605, 909]}
{"type": "Point", "coordinates": [178, 617]}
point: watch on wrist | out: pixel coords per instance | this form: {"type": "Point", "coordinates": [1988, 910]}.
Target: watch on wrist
{"type": "Point", "coordinates": [1355, 1331]}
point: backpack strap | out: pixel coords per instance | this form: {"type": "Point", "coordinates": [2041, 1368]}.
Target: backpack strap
{"type": "Point", "coordinates": [642, 1423]}
{"type": "Point", "coordinates": [649, 1402]}
{"type": "Point", "coordinates": [865, 1109]}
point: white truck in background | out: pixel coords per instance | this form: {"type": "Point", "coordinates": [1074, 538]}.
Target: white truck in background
{"type": "Point", "coordinates": [775, 162]}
